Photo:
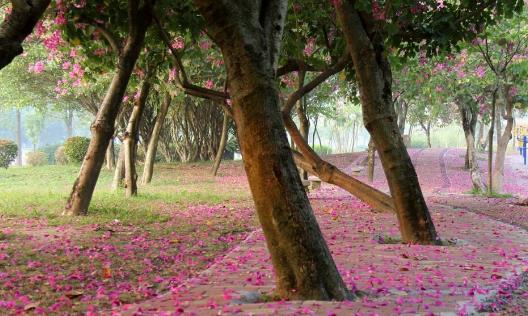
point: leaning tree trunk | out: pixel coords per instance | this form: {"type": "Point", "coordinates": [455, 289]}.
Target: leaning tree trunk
{"type": "Point", "coordinates": [103, 126]}
{"type": "Point", "coordinates": [222, 146]}
{"type": "Point", "coordinates": [373, 74]}
{"type": "Point", "coordinates": [304, 123]}
{"type": "Point", "coordinates": [152, 148]}
{"type": "Point", "coordinates": [19, 137]}
{"type": "Point", "coordinates": [469, 113]}
{"type": "Point", "coordinates": [249, 35]}
{"type": "Point", "coordinates": [131, 136]}
{"type": "Point", "coordinates": [503, 140]}
{"type": "Point", "coordinates": [17, 25]}
{"type": "Point", "coordinates": [371, 160]}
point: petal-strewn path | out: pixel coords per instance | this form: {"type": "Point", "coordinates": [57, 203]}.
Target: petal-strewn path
{"type": "Point", "coordinates": [484, 262]}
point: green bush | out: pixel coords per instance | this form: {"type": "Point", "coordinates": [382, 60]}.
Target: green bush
{"type": "Point", "coordinates": [323, 149]}
{"type": "Point", "coordinates": [75, 148]}
{"type": "Point", "coordinates": [60, 156]}
{"type": "Point", "coordinates": [50, 151]}
{"type": "Point", "coordinates": [36, 158]}
{"type": "Point", "coordinates": [8, 152]}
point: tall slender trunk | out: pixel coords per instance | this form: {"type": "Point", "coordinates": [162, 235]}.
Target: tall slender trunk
{"type": "Point", "coordinates": [480, 136]}
{"type": "Point", "coordinates": [19, 137]}
{"type": "Point", "coordinates": [152, 148]}
{"type": "Point", "coordinates": [223, 142]}
{"type": "Point", "coordinates": [119, 173]}
{"type": "Point", "coordinates": [249, 35]}
{"type": "Point", "coordinates": [371, 159]}
{"type": "Point", "coordinates": [68, 121]}
{"type": "Point", "coordinates": [468, 113]}
{"type": "Point", "coordinates": [490, 142]}
{"type": "Point", "coordinates": [304, 123]}
{"type": "Point", "coordinates": [110, 156]}
{"type": "Point", "coordinates": [374, 77]}
{"type": "Point", "coordinates": [103, 126]}
{"type": "Point", "coordinates": [131, 136]}
{"type": "Point", "coordinates": [503, 139]}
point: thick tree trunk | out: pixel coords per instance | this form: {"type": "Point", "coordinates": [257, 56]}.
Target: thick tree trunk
{"type": "Point", "coordinates": [375, 84]}
{"type": "Point", "coordinates": [222, 146]}
{"type": "Point", "coordinates": [503, 140]}
{"type": "Point", "coordinates": [119, 173]}
{"type": "Point", "coordinates": [131, 136]}
{"type": "Point", "coordinates": [468, 113]}
{"type": "Point", "coordinates": [103, 126]}
{"type": "Point", "coordinates": [249, 35]}
{"type": "Point", "coordinates": [152, 148]}
{"type": "Point", "coordinates": [371, 160]}
{"type": "Point", "coordinates": [17, 25]}
{"type": "Point", "coordinates": [19, 137]}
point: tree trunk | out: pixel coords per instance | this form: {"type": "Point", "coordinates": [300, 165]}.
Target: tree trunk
{"type": "Point", "coordinates": [375, 84]}
{"type": "Point", "coordinates": [503, 140]}
{"type": "Point", "coordinates": [119, 173]}
{"type": "Point", "coordinates": [490, 142]}
{"type": "Point", "coordinates": [19, 137]}
{"type": "Point", "coordinates": [469, 113]}
{"type": "Point", "coordinates": [152, 148]}
{"type": "Point", "coordinates": [68, 121]}
{"type": "Point", "coordinates": [249, 35]}
{"type": "Point", "coordinates": [480, 136]}
{"type": "Point", "coordinates": [371, 160]}
{"type": "Point", "coordinates": [131, 136]}
{"type": "Point", "coordinates": [223, 142]}
{"type": "Point", "coordinates": [110, 156]}
{"type": "Point", "coordinates": [103, 126]}
{"type": "Point", "coordinates": [304, 123]}
{"type": "Point", "coordinates": [17, 25]}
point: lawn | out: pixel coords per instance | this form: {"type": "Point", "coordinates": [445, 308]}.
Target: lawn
{"type": "Point", "coordinates": [124, 250]}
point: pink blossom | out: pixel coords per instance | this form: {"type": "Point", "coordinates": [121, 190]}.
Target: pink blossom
{"type": "Point", "coordinates": [309, 48]}
{"type": "Point", "coordinates": [37, 68]}
{"type": "Point", "coordinates": [209, 84]}
{"type": "Point", "coordinates": [480, 71]}
{"type": "Point", "coordinates": [178, 43]}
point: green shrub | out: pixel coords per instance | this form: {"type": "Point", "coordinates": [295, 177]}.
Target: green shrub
{"type": "Point", "coordinates": [8, 152]}
{"type": "Point", "coordinates": [60, 156]}
{"type": "Point", "coordinates": [322, 149]}
{"type": "Point", "coordinates": [50, 151]}
{"type": "Point", "coordinates": [75, 148]}
{"type": "Point", "coordinates": [36, 158]}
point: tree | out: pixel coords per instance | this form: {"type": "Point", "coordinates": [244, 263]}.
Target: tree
{"type": "Point", "coordinates": [249, 34]}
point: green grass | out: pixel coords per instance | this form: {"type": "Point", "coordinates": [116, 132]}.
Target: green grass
{"type": "Point", "coordinates": [494, 195]}
{"type": "Point", "coordinates": [41, 192]}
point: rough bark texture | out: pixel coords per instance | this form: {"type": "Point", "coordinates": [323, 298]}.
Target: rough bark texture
{"type": "Point", "coordinates": [131, 136]}
{"type": "Point", "coordinates": [152, 148]}
{"type": "Point", "coordinates": [110, 156]}
{"type": "Point", "coordinates": [17, 25]}
{"type": "Point", "coordinates": [103, 126]}
{"type": "Point", "coordinates": [469, 113]}
{"type": "Point", "coordinates": [375, 85]}
{"type": "Point", "coordinates": [19, 137]}
{"type": "Point", "coordinates": [503, 139]}
{"type": "Point", "coordinates": [304, 123]}
{"type": "Point", "coordinates": [249, 35]}
{"type": "Point", "coordinates": [222, 146]}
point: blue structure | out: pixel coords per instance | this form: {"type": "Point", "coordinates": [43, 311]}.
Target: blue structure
{"type": "Point", "coordinates": [522, 150]}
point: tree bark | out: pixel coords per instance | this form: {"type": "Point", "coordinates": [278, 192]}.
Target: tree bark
{"type": "Point", "coordinates": [503, 140]}
{"type": "Point", "coordinates": [119, 173]}
{"type": "Point", "coordinates": [131, 136]}
{"type": "Point", "coordinates": [371, 160]}
{"type": "Point", "coordinates": [103, 126]}
{"type": "Point", "coordinates": [469, 113]}
{"type": "Point", "coordinates": [374, 77]}
{"type": "Point", "coordinates": [110, 156]}
{"type": "Point", "coordinates": [490, 142]}
{"type": "Point", "coordinates": [19, 137]}
{"type": "Point", "coordinates": [17, 25]}
{"type": "Point", "coordinates": [222, 146]}
{"type": "Point", "coordinates": [304, 123]}
{"type": "Point", "coordinates": [152, 148]}
{"type": "Point", "coordinates": [249, 35]}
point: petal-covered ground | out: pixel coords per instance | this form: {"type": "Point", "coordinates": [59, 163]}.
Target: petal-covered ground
{"type": "Point", "coordinates": [483, 263]}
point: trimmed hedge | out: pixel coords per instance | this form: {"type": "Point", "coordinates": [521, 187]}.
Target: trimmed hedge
{"type": "Point", "coordinates": [75, 148]}
{"type": "Point", "coordinates": [8, 152]}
